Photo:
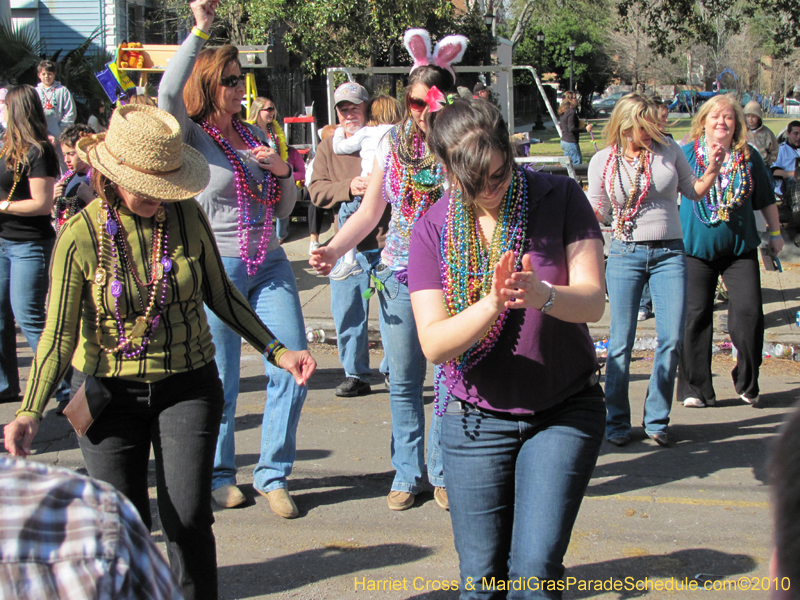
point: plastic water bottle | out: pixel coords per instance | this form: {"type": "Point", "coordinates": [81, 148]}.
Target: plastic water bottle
{"type": "Point", "coordinates": [315, 335]}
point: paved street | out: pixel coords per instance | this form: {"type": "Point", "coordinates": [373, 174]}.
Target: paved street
{"type": "Point", "coordinates": [700, 507]}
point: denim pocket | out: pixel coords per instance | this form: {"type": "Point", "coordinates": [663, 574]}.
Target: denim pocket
{"type": "Point", "coordinates": [618, 248]}
{"type": "Point", "coordinates": [391, 286]}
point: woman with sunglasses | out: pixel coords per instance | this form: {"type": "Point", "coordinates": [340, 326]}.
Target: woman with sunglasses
{"type": "Point", "coordinates": [264, 114]}
{"type": "Point", "coordinates": [250, 184]}
{"type": "Point", "coordinates": [408, 176]}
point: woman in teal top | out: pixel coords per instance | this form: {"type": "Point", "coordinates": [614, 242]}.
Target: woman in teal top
{"type": "Point", "coordinates": [721, 239]}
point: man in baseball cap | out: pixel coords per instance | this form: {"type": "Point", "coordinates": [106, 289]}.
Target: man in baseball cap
{"type": "Point", "coordinates": [481, 90]}
{"type": "Point", "coordinates": [337, 179]}
{"type": "Point", "coordinates": [350, 92]}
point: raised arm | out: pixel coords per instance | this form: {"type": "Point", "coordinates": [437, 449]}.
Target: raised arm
{"type": "Point", "coordinates": [689, 184]}
{"type": "Point", "coordinates": [179, 68]}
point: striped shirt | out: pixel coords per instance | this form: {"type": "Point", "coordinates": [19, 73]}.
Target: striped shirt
{"type": "Point", "coordinates": [67, 536]}
{"type": "Point", "coordinates": [183, 340]}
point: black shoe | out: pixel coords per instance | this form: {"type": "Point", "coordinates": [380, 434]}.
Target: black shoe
{"type": "Point", "coordinates": [619, 440]}
{"type": "Point", "coordinates": [61, 406]}
{"type": "Point", "coordinates": [662, 439]}
{"type": "Point", "coordinates": [352, 386]}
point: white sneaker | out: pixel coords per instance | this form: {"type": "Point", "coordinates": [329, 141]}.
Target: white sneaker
{"type": "Point", "coordinates": [313, 246]}
{"type": "Point", "coordinates": [344, 270]}
{"type": "Point", "coordinates": [753, 401]}
{"type": "Point", "coordinates": [694, 403]}
{"type": "Point", "coordinates": [644, 314]}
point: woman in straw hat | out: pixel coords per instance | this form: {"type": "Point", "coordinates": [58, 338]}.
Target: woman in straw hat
{"type": "Point", "coordinates": [250, 185]}
{"type": "Point", "coordinates": [130, 275]}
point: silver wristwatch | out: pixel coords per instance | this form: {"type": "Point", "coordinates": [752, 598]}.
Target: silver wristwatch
{"type": "Point", "coordinates": [549, 304]}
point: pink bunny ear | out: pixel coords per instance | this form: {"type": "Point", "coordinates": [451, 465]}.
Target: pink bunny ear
{"type": "Point", "coordinates": [418, 44]}
{"type": "Point", "coordinates": [449, 50]}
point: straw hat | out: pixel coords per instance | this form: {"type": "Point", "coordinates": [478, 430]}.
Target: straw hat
{"type": "Point", "coordinates": [143, 152]}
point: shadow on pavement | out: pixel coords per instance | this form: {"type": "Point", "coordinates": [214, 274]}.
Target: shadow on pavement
{"type": "Point", "coordinates": [300, 569]}
{"type": "Point", "coordinates": [682, 565]}
{"type": "Point", "coordinates": [699, 451]}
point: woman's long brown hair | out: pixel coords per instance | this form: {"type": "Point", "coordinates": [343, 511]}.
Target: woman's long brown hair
{"type": "Point", "coordinates": [26, 125]}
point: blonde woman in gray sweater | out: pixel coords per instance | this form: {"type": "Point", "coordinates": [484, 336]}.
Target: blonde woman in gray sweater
{"type": "Point", "coordinates": [638, 175]}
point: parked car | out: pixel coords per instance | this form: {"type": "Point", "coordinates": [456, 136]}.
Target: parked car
{"type": "Point", "coordinates": [606, 105]}
{"type": "Point", "coordinates": [792, 106]}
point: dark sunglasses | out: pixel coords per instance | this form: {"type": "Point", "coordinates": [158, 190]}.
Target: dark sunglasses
{"type": "Point", "coordinates": [268, 109]}
{"type": "Point", "coordinates": [417, 104]}
{"type": "Point", "coordinates": [231, 81]}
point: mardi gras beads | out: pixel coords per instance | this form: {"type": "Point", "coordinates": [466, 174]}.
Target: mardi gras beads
{"type": "Point", "coordinates": [467, 267]}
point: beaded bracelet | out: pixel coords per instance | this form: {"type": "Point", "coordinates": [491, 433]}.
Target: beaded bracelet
{"type": "Point", "coordinates": [271, 347]}
{"type": "Point", "coordinates": [775, 233]}
{"type": "Point", "coordinates": [200, 33]}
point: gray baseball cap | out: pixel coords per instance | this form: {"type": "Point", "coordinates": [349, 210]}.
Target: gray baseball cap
{"type": "Point", "coordinates": [350, 92]}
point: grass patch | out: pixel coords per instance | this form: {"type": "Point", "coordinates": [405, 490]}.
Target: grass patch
{"type": "Point", "coordinates": [551, 143]}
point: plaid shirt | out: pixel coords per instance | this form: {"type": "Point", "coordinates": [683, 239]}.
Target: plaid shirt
{"type": "Point", "coordinates": [67, 536]}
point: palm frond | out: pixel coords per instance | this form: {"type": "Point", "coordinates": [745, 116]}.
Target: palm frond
{"type": "Point", "coordinates": [19, 52]}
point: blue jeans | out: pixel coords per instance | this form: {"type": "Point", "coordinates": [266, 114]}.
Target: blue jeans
{"type": "Point", "coordinates": [178, 416]}
{"type": "Point", "coordinates": [272, 292]}
{"type": "Point", "coordinates": [282, 227]}
{"type": "Point", "coordinates": [350, 316]}
{"type": "Point", "coordinates": [646, 303]}
{"type": "Point", "coordinates": [572, 152]}
{"type": "Point", "coordinates": [629, 266]}
{"type": "Point", "coordinates": [24, 281]}
{"type": "Point", "coordinates": [515, 485]}
{"type": "Point", "coordinates": [407, 368]}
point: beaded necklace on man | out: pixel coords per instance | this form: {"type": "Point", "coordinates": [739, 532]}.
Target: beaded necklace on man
{"type": "Point", "coordinates": [468, 267]}
{"type": "Point", "coordinates": [66, 207]}
{"type": "Point", "coordinates": [731, 187]}
{"type": "Point", "coordinates": [626, 213]}
{"type": "Point", "coordinates": [412, 175]}
{"type": "Point", "coordinates": [114, 260]}
{"type": "Point", "coordinates": [269, 193]}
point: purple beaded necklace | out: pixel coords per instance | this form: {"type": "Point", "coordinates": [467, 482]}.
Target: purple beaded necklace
{"type": "Point", "coordinates": [145, 325]}
{"type": "Point", "coordinates": [267, 188]}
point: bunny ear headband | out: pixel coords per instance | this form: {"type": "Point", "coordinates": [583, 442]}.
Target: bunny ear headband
{"type": "Point", "coordinates": [447, 51]}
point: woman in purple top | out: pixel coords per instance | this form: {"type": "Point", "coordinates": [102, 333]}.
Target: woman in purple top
{"type": "Point", "coordinates": [504, 272]}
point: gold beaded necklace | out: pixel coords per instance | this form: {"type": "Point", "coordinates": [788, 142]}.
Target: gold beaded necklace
{"type": "Point", "coordinates": [17, 176]}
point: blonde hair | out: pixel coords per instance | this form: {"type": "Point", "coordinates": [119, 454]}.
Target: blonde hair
{"type": "Point", "coordinates": [384, 110]}
{"type": "Point", "coordinates": [631, 112]}
{"type": "Point", "coordinates": [739, 141]}
{"type": "Point", "coordinates": [570, 101]}
{"type": "Point", "coordinates": [255, 108]}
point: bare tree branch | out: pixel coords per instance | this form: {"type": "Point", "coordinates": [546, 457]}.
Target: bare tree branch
{"type": "Point", "coordinates": [522, 23]}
